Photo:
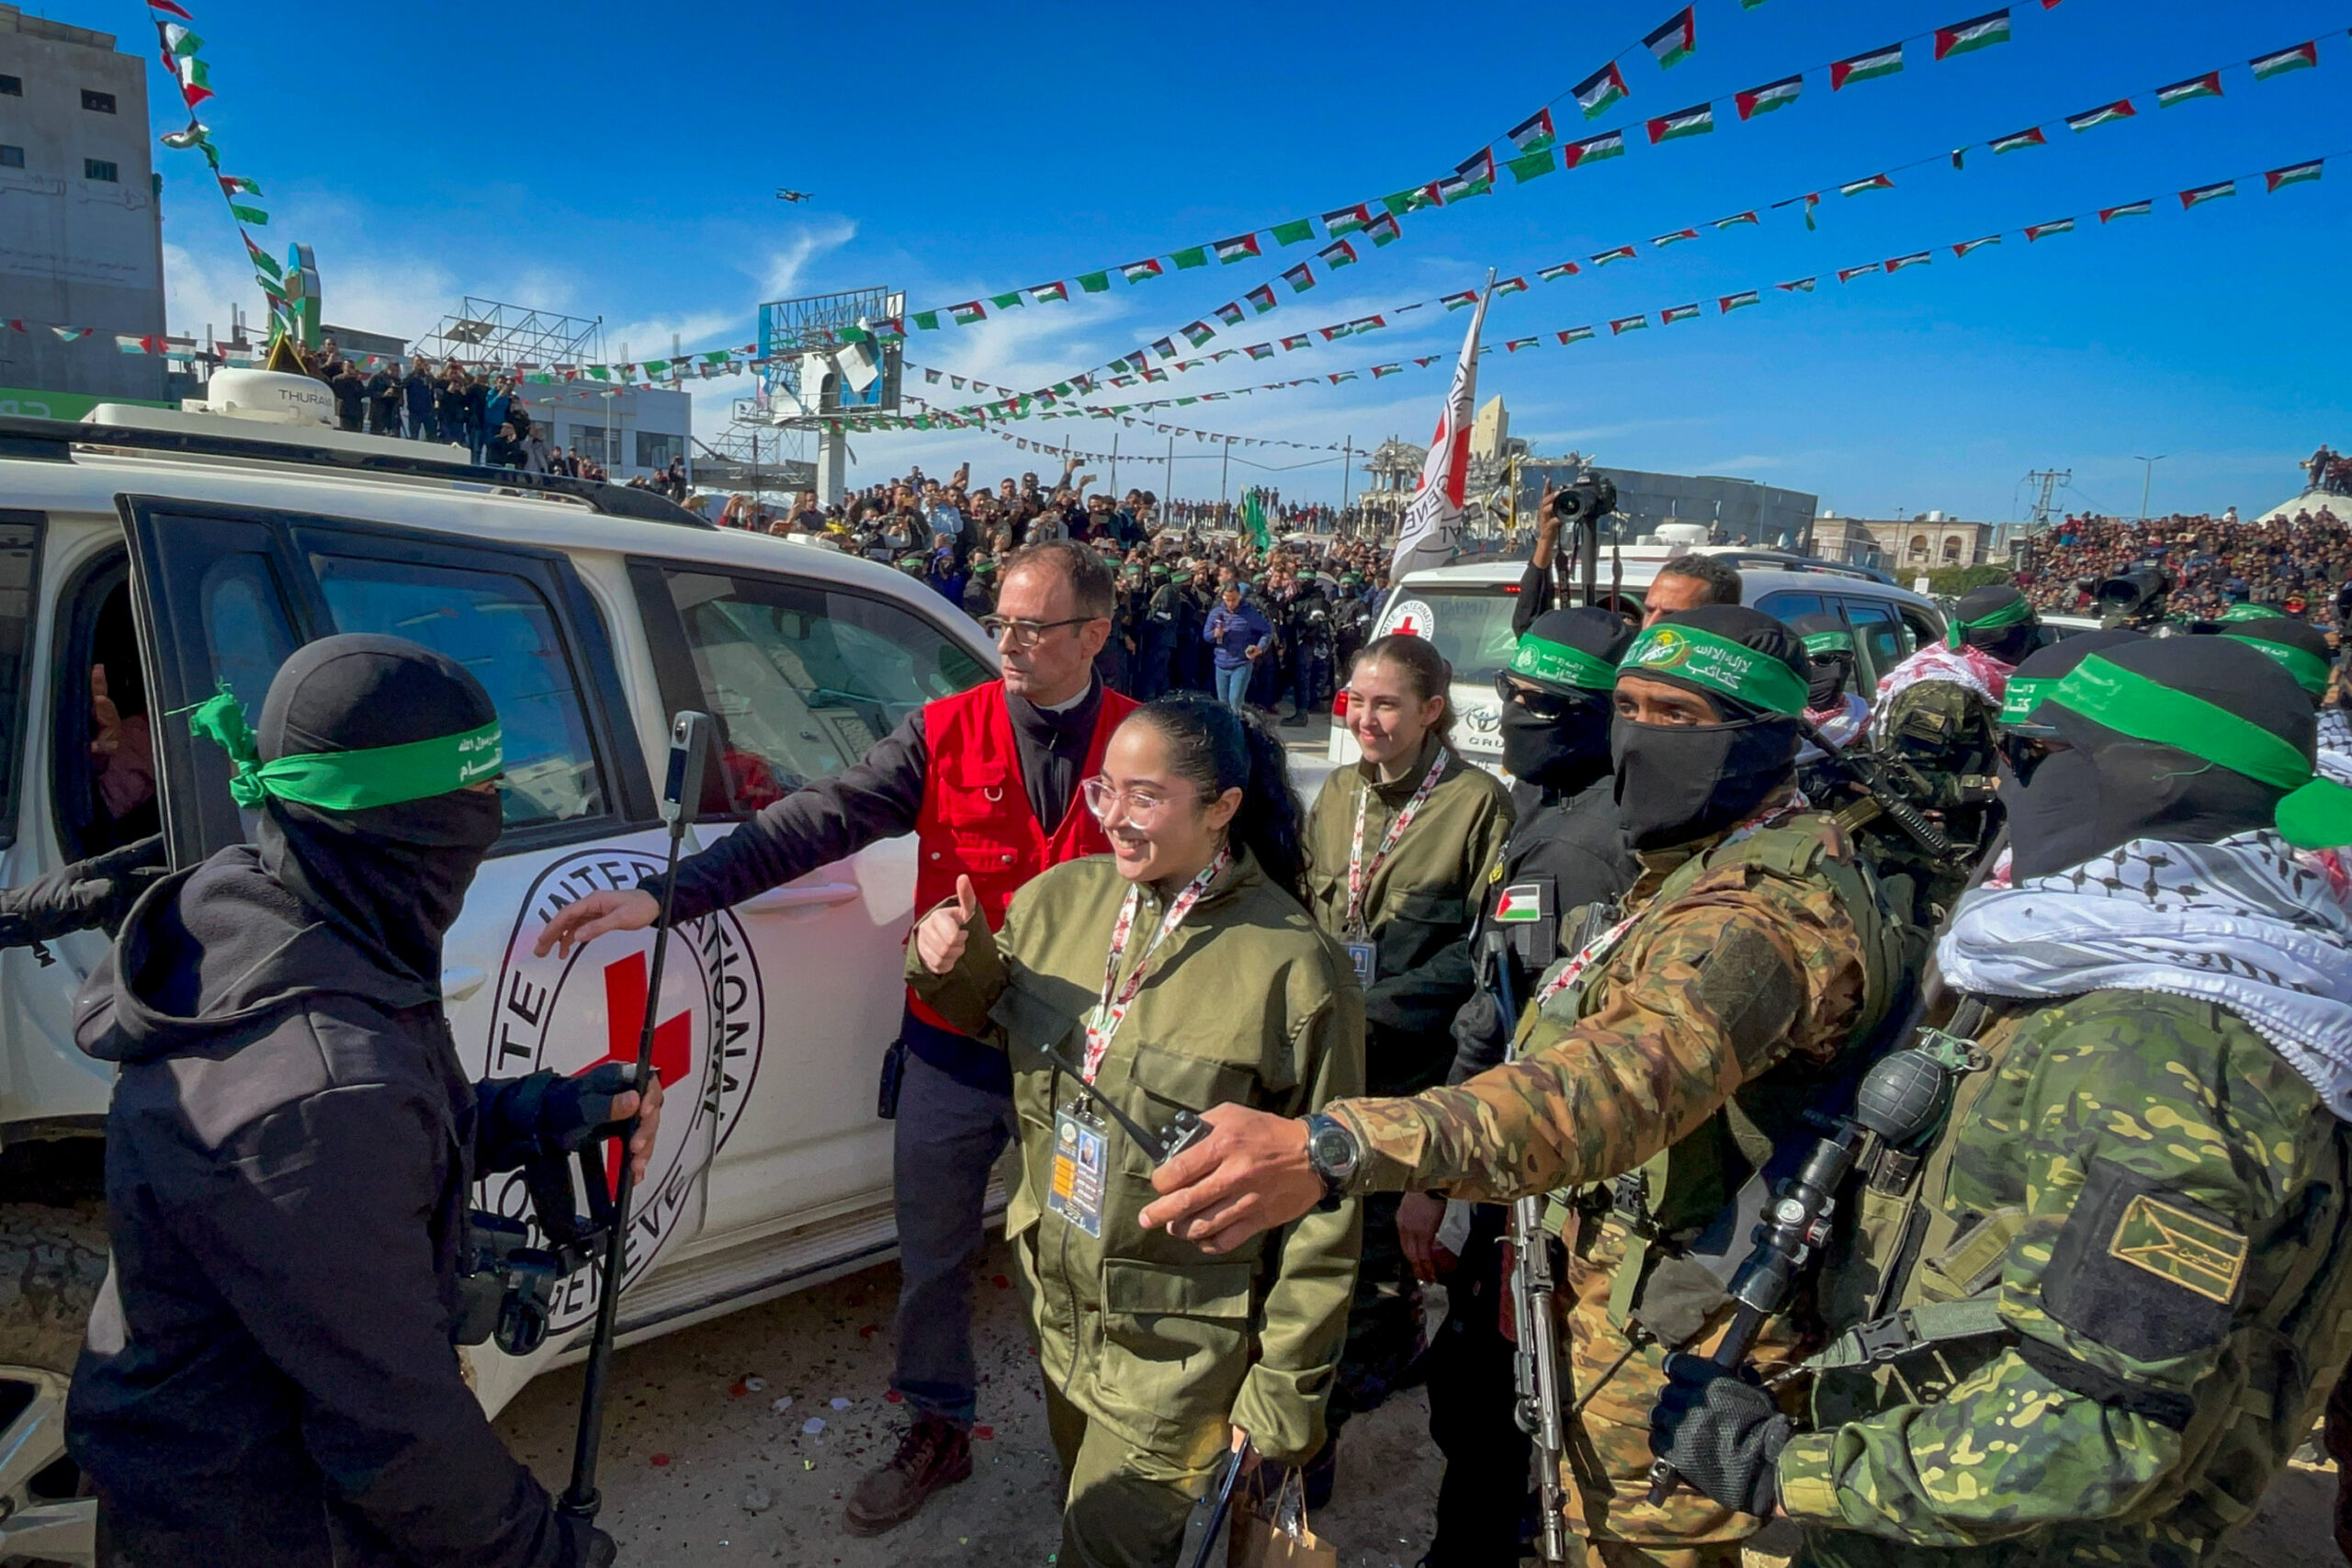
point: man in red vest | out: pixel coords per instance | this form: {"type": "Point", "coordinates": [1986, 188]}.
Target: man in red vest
{"type": "Point", "coordinates": [999, 806]}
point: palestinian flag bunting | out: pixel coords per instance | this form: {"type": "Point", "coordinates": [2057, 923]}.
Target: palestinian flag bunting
{"type": "Point", "coordinates": [1512, 286]}
{"type": "Point", "coordinates": [1730, 303]}
{"type": "Point", "coordinates": [1795, 285]}
{"type": "Point", "coordinates": [1847, 273]}
{"type": "Point", "coordinates": [967, 312]}
{"type": "Point", "coordinates": [1736, 220]}
{"type": "Point", "coordinates": [1136, 272]}
{"type": "Point", "coordinates": [1239, 248]}
{"type": "Point", "coordinates": [1467, 298]}
{"type": "Point", "coordinates": [1301, 278]}
{"type": "Point", "coordinates": [1597, 92]}
{"type": "Point", "coordinates": [1863, 67]}
{"type": "Point", "coordinates": [1856, 187]}
{"type": "Point", "coordinates": [2129, 209]}
{"type": "Point", "coordinates": [1535, 133]}
{"type": "Point", "coordinates": [1624, 324]}
{"type": "Point", "coordinates": [1696, 120]}
{"type": "Point", "coordinates": [1262, 299]}
{"type": "Point", "coordinates": [1296, 341]}
{"type": "Point", "coordinates": [1576, 334]}
{"type": "Point", "coordinates": [1515, 345]}
{"type": "Point", "coordinates": [2055, 225]}
{"type": "Point", "coordinates": [1047, 292]}
{"type": "Point", "coordinates": [2292, 174]}
{"type": "Point", "coordinates": [2119, 110]}
{"type": "Point", "coordinates": [1338, 254]}
{"type": "Point", "coordinates": [2031, 136]}
{"type": "Point", "coordinates": [1771, 96]}
{"type": "Point", "coordinates": [1662, 240]}
{"type": "Point", "coordinates": [1674, 313]}
{"type": "Point", "coordinates": [1382, 230]}
{"type": "Point", "coordinates": [1347, 220]}
{"type": "Point", "coordinates": [1961, 36]}
{"type": "Point", "coordinates": [1293, 232]}
{"type": "Point", "coordinates": [2199, 195]}
{"type": "Point", "coordinates": [1554, 273]}
{"type": "Point", "coordinates": [1592, 149]}
{"type": "Point", "coordinates": [1622, 253]}
{"type": "Point", "coordinates": [1917, 258]}
{"type": "Point", "coordinates": [2206, 87]}
{"type": "Point", "coordinates": [1676, 40]}
{"type": "Point", "coordinates": [2266, 66]}
{"type": "Point", "coordinates": [1230, 312]}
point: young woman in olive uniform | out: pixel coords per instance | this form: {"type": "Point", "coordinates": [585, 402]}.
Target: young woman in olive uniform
{"type": "Point", "coordinates": [1399, 849]}
{"type": "Point", "coordinates": [1178, 973]}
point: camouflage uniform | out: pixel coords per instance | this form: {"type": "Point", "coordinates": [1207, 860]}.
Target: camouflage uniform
{"type": "Point", "coordinates": [2153, 1202]}
{"type": "Point", "coordinates": [1725, 1004]}
{"type": "Point", "coordinates": [1940, 742]}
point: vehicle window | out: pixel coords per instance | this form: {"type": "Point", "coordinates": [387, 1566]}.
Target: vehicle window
{"type": "Point", "coordinates": [803, 680]}
{"type": "Point", "coordinates": [1878, 637]}
{"type": "Point", "coordinates": [1471, 629]}
{"type": "Point", "coordinates": [1919, 631]}
{"type": "Point", "coordinates": [1787, 605]}
{"type": "Point", "coordinates": [19, 557]}
{"type": "Point", "coordinates": [499, 626]}
{"type": "Point", "coordinates": [246, 630]}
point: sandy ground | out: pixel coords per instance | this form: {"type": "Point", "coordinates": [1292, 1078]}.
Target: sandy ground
{"type": "Point", "coordinates": [701, 1467]}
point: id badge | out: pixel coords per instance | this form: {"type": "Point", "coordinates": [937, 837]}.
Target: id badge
{"type": "Point", "coordinates": [1075, 1191]}
{"type": "Point", "coordinates": [1362, 954]}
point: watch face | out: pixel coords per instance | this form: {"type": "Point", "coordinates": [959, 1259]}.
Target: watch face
{"type": "Point", "coordinates": [1335, 1150]}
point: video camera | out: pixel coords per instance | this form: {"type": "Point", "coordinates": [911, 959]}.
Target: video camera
{"type": "Point", "coordinates": [2133, 597]}
{"type": "Point", "coordinates": [507, 1285]}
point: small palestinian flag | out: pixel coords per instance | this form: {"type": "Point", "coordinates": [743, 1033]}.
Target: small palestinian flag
{"type": "Point", "coordinates": [1736, 220]}
{"type": "Point", "coordinates": [1662, 240]}
{"type": "Point", "coordinates": [170, 8]}
{"type": "Point", "coordinates": [2030, 137]}
{"type": "Point", "coordinates": [2129, 209]}
{"type": "Point", "coordinates": [1297, 340]}
{"type": "Point", "coordinates": [1624, 324]}
{"type": "Point", "coordinates": [1856, 187]}
{"type": "Point", "coordinates": [2055, 225]}
{"type": "Point", "coordinates": [1425, 361]}
{"type": "Point", "coordinates": [1863, 67]}
{"type": "Point", "coordinates": [1597, 91]}
{"type": "Point", "coordinates": [1622, 253]}
{"type": "Point", "coordinates": [1510, 285]}
{"type": "Point", "coordinates": [1477, 171]}
{"type": "Point", "coordinates": [1675, 41]}
{"type": "Point", "coordinates": [1301, 278]}
{"type": "Point", "coordinates": [1519, 904]}
{"type": "Point", "coordinates": [1576, 334]}
{"type": "Point", "coordinates": [1592, 149]}
{"type": "Point", "coordinates": [73, 334]}
{"type": "Point", "coordinates": [1533, 166]}
{"type": "Point", "coordinates": [1383, 231]}
{"type": "Point", "coordinates": [1338, 254]}
{"type": "Point", "coordinates": [2199, 195]}
{"type": "Point", "coordinates": [1262, 299]}
{"type": "Point", "coordinates": [1259, 351]}
{"type": "Point", "coordinates": [1229, 312]}
{"type": "Point", "coordinates": [1515, 345]}
{"type": "Point", "coordinates": [2269, 65]}
{"type": "Point", "coordinates": [1795, 285]}
{"type": "Point", "coordinates": [1771, 96]}
{"type": "Point", "coordinates": [1847, 273]}
{"type": "Point", "coordinates": [1238, 248]}
{"type": "Point", "coordinates": [1347, 220]}
{"type": "Point", "coordinates": [1343, 376]}
{"type": "Point", "coordinates": [1412, 201]}
{"type": "Point", "coordinates": [2206, 87]}
{"type": "Point", "coordinates": [1917, 258]}
{"type": "Point", "coordinates": [1335, 331]}
{"type": "Point", "coordinates": [1554, 273]}
{"type": "Point", "coordinates": [1292, 232]}
{"type": "Point", "coordinates": [1534, 133]}
{"type": "Point", "coordinates": [1165, 348]}
{"type": "Point", "coordinates": [1136, 272]}
{"type": "Point", "coordinates": [2292, 174]}
{"type": "Point", "coordinates": [1696, 120]}
{"type": "Point", "coordinates": [1961, 36]}
{"type": "Point", "coordinates": [1045, 292]}
{"type": "Point", "coordinates": [1379, 370]}
{"type": "Point", "coordinates": [1730, 303]}
{"type": "Point", "coordinates": [1367, 323]}
{"type": "Point", "coordinates": [232, 184]}
{"type": "Point", "coordinates": [267, 264]}
{"type": "Point", "coordinates": [1674, 313]}
{"type": "Point", "coordinates": [1457, 301]}
{"type": "Point", "coordinates": [967, 312]}
{"type": "Point", "coordinates": [2119, 110]}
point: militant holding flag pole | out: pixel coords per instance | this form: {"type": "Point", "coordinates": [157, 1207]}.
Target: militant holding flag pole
{"type": "Point", "coordinates": [1433, 517]}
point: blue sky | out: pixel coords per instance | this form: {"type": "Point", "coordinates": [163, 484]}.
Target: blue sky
{"type": "Point", "coordinates": [608, 160]}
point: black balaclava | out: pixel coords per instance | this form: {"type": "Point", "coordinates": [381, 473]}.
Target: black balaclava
{"type": "Point", "coordinates": [1680, 783]}
{"type": "Point", "coordinates": [1566, 754]}
{"type": "Point", "coordinates": [391, 878]}
{"type": "Point", "coordinates": [1832, 666]}
{"type": "Point", "coordinates": [2299, 646]}
{"type": "Point", "coordinates": [2105, 788]}
{"type": "Point", "coordinates": [2015, 626]}
{"type": "Point", "coordinates": [2025, 733]}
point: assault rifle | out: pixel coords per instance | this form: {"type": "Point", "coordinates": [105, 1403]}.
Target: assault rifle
{"type": "Point", "coordinates": [1540, 1412]}
{"type": "Point", "coordinates": [1871, 776]}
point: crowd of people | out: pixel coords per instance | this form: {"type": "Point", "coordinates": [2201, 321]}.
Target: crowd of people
{"type": "Point", "coordinates": [2300, 564]}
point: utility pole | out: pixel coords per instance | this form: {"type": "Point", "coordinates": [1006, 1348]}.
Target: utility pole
{"type": "Point", "coordinates": [1225, 478]}
{"type": "Point", "coordinates": [1114, 468]}
{"type": "Point", "coordinates": [1347, 466]}
{"type": "Point", "coordinates": [2148, 475]}
{"type": "Point", "coordinates": [2048, 480]}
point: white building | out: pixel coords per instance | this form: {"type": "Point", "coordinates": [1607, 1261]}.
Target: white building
{"type": "Point", "coordinates": [633, 432]}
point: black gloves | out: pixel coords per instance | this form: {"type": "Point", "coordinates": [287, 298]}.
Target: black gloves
{"type": "Point", "coordinates": [573, 1110]}
{"type": "Point", "coordinates": [1722, 1432]}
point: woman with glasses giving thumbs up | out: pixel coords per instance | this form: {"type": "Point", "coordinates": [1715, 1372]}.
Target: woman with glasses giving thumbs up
{"type": "Point", "coordinates": [1177, 973]}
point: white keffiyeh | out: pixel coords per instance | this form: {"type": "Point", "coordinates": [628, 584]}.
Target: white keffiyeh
{"type": "Point", "coordinates": [2244, 923]}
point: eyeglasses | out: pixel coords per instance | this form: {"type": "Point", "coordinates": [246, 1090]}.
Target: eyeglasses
{"type": "Point", "coordinates": [1142, 807]}
{"type": "Point", "coordinates": [1549, 707]}
{"type": "Point", "coordinates": [1025, 633]}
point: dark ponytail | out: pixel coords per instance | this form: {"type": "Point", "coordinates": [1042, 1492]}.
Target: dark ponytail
{"type": "Point", "coordinates": [1217, 749]}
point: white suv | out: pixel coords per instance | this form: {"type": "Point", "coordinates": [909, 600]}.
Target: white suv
{"type": "Point", "coordinates": [1466, 611]}
{"type": "Point", "coordinates": [185, 550]}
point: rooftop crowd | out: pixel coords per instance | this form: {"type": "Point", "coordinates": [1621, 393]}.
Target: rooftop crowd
{"type": "Point", "coordinates": [2297, 563]}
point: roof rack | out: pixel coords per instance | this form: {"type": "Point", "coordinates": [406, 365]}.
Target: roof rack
{"type": "Point", "coordinates": [1788, 560]}
{"type": "Point", "coordinates": [50, 440]}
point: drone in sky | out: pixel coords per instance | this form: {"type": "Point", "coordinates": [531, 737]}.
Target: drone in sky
{"type": "Point", "coordinates": [792, 196]}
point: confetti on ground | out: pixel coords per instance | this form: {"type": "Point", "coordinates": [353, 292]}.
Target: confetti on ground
{"type": "Point", "coordinates": [814, 1425]}
{"type": "Point", "coordinates": [984, 1432]}
{"type": "Point", "coordinates": [738, 1389]}
{"type": "Point", "coordinates": [869, 1331]}
{"type": "Point", "coordinates": [758, 1500]}
{"type": "Point", "coordinates": [781, 1405]}
{"type": "Point", "coordinates": [807, 1464]}
{"type": "Point", "coordinates": [661, 1461]}
{"type": "Point", "coordinates": [840, 1403]}
{"type": "Point", "coordinates": [894, 1397]}
{"type": "Point", "coordinates": [756, 1382]}
{"type": "Point", "coordinates": [1000, 1282]}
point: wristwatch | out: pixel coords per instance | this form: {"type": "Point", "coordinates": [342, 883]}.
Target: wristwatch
{"type": "Point", "coordinates": [1332, 1153]}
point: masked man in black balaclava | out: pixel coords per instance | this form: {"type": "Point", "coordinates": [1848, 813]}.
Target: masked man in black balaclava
{"type": "Point", "coordinates": [269, 1379]}
{"type": "Point", "coordinates": [1566, 860]}
{"type": "Point", "coordinates": [1698, 1025]}
{"type": "Point", "coordinates": [2115, 1282]}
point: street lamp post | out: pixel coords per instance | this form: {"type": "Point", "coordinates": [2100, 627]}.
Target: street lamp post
{"type": "Point", "coordinates": [2148, 475]}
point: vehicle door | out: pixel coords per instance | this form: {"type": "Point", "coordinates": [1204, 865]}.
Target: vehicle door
{"type": "Point", "coordinates": [1879, 639]}
{"type": "Point", "coordinates": [225, 594]}
{"type": "Point", "coordinates": [802, 676]}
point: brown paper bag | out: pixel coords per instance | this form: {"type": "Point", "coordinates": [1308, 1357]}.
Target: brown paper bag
{"type": "Point", "coordinates": [1278, 1536]}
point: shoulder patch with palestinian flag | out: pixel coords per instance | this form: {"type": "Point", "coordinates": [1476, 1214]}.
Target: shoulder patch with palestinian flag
{"type": "Point", "coordinates": [1520, 903]}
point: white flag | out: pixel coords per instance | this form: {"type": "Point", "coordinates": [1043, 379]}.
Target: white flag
{"type": "Point", "coordinates": [1433, 517]}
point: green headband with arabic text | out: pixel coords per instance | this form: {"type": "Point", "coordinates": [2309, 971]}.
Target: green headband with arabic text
{"type": "Point", "coordinates": [2014, 613]}
{"type": "Point", "coordinates": [346, 781]}
{"type": "Point", "coordinates": [1541, 659]}
{"type": "Point", "coordinates": [2316, 813]}
{"type": "Point", "coordinates": [1690, 653]}
{"type": "Point", "coordinates": [2309, 669]}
